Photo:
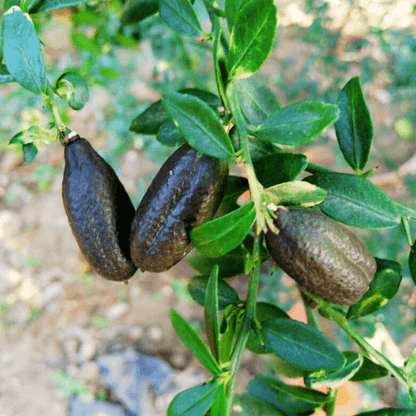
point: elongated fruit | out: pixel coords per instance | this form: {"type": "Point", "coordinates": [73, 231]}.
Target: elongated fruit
{"type": "Point", "coordinates": [323, 256]}
{"type": "Point", "coordinates": [99, 210]}
{"type": "Point", "coordinates": [186, 192]}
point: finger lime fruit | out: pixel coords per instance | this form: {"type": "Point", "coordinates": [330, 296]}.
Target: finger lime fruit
{"type": "Point", "coordinates": [186, 192]}
{"type": "Point", "coordinates": [99, 210]}
{"type": "Point", "coordinates": [321, 255]}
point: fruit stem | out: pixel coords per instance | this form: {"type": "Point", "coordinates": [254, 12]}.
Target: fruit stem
{"type": "Point", "coordinates": [245, 150]}
{"type": "Point", "coordinates": [248, 318]}
{"type": "Point", "coordinates": [51, 103]}
{"type": "Point", "coordinates": [340, 319]}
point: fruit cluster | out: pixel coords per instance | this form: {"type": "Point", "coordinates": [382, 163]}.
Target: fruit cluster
{"type": "Point", "coordinates": [322, 256]}
{"type": "Point", "coordinates": [115, 239]}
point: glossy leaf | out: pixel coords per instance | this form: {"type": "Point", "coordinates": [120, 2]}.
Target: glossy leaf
{"type": "Point", "coordinates": [353, 200]}
{"type": "Point", "coordinates": [155, 116]}
{"type": "Point", "coordinates": [230, 264]}
{"type": "Point", "coordinates": [21, 51]}
{"type": "Point", "coordinates": [219, 236]}
{"type": "Point", "coordinates": [255, 99]}
{"type": "Point", "coordinates": [296, 193]}
{"type": "Point", "coordinates": [264, 312]}
{"type": "Point", "coordinates": [48, 5]}
{"type": "Point", "coordinates": [5, 76]}
{"type": "Point", "coordinates": [258, 148]}
{"type": "Point", "coordinates": [412, 262]}
{"type": "Point", "coordinates": [232, 7]}
{"type": "Point", "coordinates": [302, 393]}
{"type": "Point", "coordinates": [193, 341]}
{"type": "Point", "coordinates": [195, 401]}
{"type": "Point", "coordinates": [279, 168]}
{"type": "Point", "coordinates": [263, 388]}
{"type": "Point", "coordinates": [74, 88]}
{"type": "Point", "coordinates": [199, 124]}
{"type": "Point", "coordinates": [236, 185]}
{"type": "Point", "coordinates": [169, 135]}
{"type": "Point", "coordinates": [219, 405]}
{"type": "Point", "coordinates": [245, 405]}
{"type": "Point", "coordinates": [198, 288]}
{"type": "Point", "coordinates": [298, 123]}
{"type": "Point", "coordinates": [211, 316]}
{"type": "Point", "coordinates": [252, 37]}
{"type": "Point", "coordinates": [301, 345]}
{"type": "Point", "coordinates": [382, 289]}
{"type": "Point", "coordinates": [180, 16]}
{"type": "Point", "coordinates": [136, 10]}
{"type": "Point", "coordinates": [335, 378]}
{"type": "Point", "coordinates": [369, 370]}
{"type": "Point", "coordinates": [410, 373]}
{"type": "Point", "coordinates": [354, 128]}
{"type": "Point", "coordinates": [389, 411]}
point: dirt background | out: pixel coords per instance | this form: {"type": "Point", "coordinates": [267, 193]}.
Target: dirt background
{"type": "Point", "coordinates": [56, 315]}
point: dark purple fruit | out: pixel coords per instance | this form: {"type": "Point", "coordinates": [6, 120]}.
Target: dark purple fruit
{"type": "Point", "coordinates": [323, 256]}
{"type": "Point", "coordinates": [99, 210]}
{"type": "Point", "coordinates": [186, 192]}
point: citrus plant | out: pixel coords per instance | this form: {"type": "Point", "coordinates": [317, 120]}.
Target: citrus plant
{"type": "Point", "coordinates": [242, 122]}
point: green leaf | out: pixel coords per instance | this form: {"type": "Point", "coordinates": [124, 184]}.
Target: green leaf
{"type": "Point", "coordinates": [255, 99]}
{"type": "Point", "coordinates": [232, 8]}
{"type": "Point", "coordinates": [301, 345]}
{"type": "Point", "coordinates": [369, 371]}
{"type": "Point", "coordinates": [81, 41]}
{"type": "Point", "coordinates": [334, 379]}
{"type": "Point", "coordinates": [21, 51]}
{"type": "Point", "coordinates": [199, 124]}
{"type": "Point", "coordinates": [298, 123]}
{"type": "Point", "coordinates": [136, 10]}
{"type": "Point", "coordinates": [221, 235]}
{"type": "Point", "coordinates": [212, 324]}
{"type": "Point", "coordinates": [194, 342]}
{"type": "Point", "coordinates": [29, 152]}
{"type": "Point", "coordinates": [410, 373]}
{"type": "Point", "coordinates": [226, 294]}
{"type": "Point", "coordinates": [5, 76]}
{"type": "Point", "coordinates": [230, 264]}
{"type": "Point", "coordinates": [263, 387]}
{"type": "Point", "coordinates": [258, 148]}
{"type": "Point", "coordinates": [169, 135]}
{"type": "Point", "coordinates": [155, 116]}
{"type": "Point", "coordinates": [353, 200]}
{"type": "Point", "coordinates": [236, 185]}
{"type": "Point", "coordinates": [296, 193]}
{"type": "Point", "coordinates": [180, 16]}
{"type": "Point", "coordinates": [74, 88]}
{"type": "Point", "coordinates": [245, 405]}
{"type": "Point", "coordinates": [252, 38]}
{"type": "Point", "coordinates": [48, 5]}
{"type": "Point", "coordinates": [195, 401]}
{"type": "Point", "coordinates": [302, 393]}
{"type": "Point", "coordinates": [412, 261]}
{"type": "Point", "coordinates": [389, 411]}
{"type": "Point", "coordinates": [382, 289]}
{"type": "Point", "coordinates": [33, 134]}
{"type": "Point", "coordinates": [264, 312]}
{"type": "Point", "coordinates": [354, 128]}
{"type": "Point", "coordinates": [279, 168]}
{"type": "Point", "coordinates": [219, 405]}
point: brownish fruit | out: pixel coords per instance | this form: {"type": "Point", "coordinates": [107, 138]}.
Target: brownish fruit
{"type": "Point", "coordinates": [186, 192]}
{"type": "Point", "coordinates": [99, 210]}
{"type": "Point", "coordinates": [323, 256]}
